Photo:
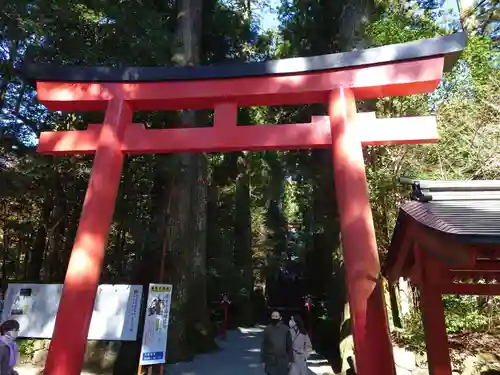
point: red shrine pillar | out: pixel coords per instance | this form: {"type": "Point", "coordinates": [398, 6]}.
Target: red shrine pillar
{"type": "Point", "coordinates": [433, 318]}
{"type": "Point", "coordinates": [372, 342]}
{"type": "Point", "coordinates": [69, 341]}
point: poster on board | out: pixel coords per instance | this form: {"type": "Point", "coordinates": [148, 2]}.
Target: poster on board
{"type": "Point", "coordinates": [154, 338]}
{"type": "Point", "coordinates": [115, 316]}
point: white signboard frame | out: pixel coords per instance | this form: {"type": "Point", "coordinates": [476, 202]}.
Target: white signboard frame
{"type": "Point", "coordinates": [115, 317]}
{"type": "Point", "coordinates": [154, 337]}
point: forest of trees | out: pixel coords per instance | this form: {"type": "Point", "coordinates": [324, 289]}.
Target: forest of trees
{"type": "Point", "coordinates": [224, 219]}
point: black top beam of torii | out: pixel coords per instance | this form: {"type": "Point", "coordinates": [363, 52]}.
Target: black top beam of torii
{"type": "Point", "coordinates": [449, 46]}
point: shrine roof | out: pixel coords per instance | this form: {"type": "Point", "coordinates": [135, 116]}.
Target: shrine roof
{"type": "Point", "coordinates": [460, 208]}
{"type": "Point", "coordinates": [460, 212]}
{"type": "Point", "coordinates": [449, 46]}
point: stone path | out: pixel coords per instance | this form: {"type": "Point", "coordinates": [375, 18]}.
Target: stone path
{"type": "Point", "coordinates": [239, 354]}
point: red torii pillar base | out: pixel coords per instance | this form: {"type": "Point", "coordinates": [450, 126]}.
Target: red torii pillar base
{"type": "Point", "coordinates": [68, 345]}
{"type": "Point", "coordinates": [372, 344]}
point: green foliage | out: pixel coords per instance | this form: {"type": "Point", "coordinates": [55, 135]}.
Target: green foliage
{"type": "Point", "coordinates": [480, 55]}
{"type": "Point", "coordinates": [394, 28]}
{"type": "Point", "coordinates": [464, 313]}
{"type": "Point", "coordinates": [412, 335]}
{"type": "Point", "coordinates": [26, 347]}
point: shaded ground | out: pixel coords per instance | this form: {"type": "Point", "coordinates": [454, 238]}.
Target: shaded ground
{"type": "Point", "coordinates": [475, 342]}
{"type": "Point", "coordinates": [470, 344]}
{"type": "Point", "coordinates": [470, 353]}
{"type": "Point", "coordinates": [32, 370]}
{"type": "Point", "coordinates": [239, 354]}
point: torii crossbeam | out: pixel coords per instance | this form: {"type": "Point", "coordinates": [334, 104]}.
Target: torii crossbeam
{"type": "Point", "coordinates": [337, 79]}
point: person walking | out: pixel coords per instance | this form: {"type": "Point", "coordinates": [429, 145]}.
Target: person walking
{"type": "Point", "coordinates": [301, 345]}
{"type": "Point", "coordinates": [8, 347]}
{"type": "Point", "coordinates": [276, 355]}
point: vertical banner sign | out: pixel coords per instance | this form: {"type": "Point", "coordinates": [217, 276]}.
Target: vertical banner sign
{"type": "Point", "coordinates": [154, 337]}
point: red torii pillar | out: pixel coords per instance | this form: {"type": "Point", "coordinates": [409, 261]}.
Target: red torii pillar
{"type": "Point", "coordinates": [343, 130]}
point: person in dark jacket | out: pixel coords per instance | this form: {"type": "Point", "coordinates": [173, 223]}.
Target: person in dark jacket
{"type": "Point", "coordinates": [276, 355]}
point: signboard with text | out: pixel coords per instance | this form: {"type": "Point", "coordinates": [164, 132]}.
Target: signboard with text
{"type": "Point", "coordinates": [154, 339]}
{"type": "Point", "coordinates": [115, 316]}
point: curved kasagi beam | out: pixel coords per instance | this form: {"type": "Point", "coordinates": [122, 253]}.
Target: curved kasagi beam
{"type": "Point", "coordinates": [396, 70]}
{"type": "Point", "coordinates": [449, 46]}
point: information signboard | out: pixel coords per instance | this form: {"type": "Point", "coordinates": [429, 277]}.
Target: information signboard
{"type": "Point", "coordinates": [154, 340]}
{"type": "Point", "coordinates": [34, 306]}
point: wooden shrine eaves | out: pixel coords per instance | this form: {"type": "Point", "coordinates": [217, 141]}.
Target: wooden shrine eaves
{"type": "Point", "coordinates": [449, 46]}
{"type": "Point", "coordinates": [470, 209]}
{"type": "Point", "coordinates": [455, 221]}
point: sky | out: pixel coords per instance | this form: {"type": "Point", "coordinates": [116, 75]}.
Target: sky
{"type": "Point", "coordinates": [270, 19]}
{"type": "Point", "coordinates": [452, 4]}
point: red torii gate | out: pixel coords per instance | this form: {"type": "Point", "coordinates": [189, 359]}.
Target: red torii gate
{"type": "Point", "coordinates": [336, 79]}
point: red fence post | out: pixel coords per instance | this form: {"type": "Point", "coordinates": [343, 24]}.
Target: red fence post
{"type": "Point", "coordinates": [308, 305]}
{"type": "Point", "coordinates": [225, 305]}
{"type": "Point", "coordinates": [369, 323]}
{"type": "Point", "coordinates": [69, 341]}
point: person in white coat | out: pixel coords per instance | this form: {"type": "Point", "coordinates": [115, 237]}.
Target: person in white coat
{"type": "Point", "coordinates": [301, 344]}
